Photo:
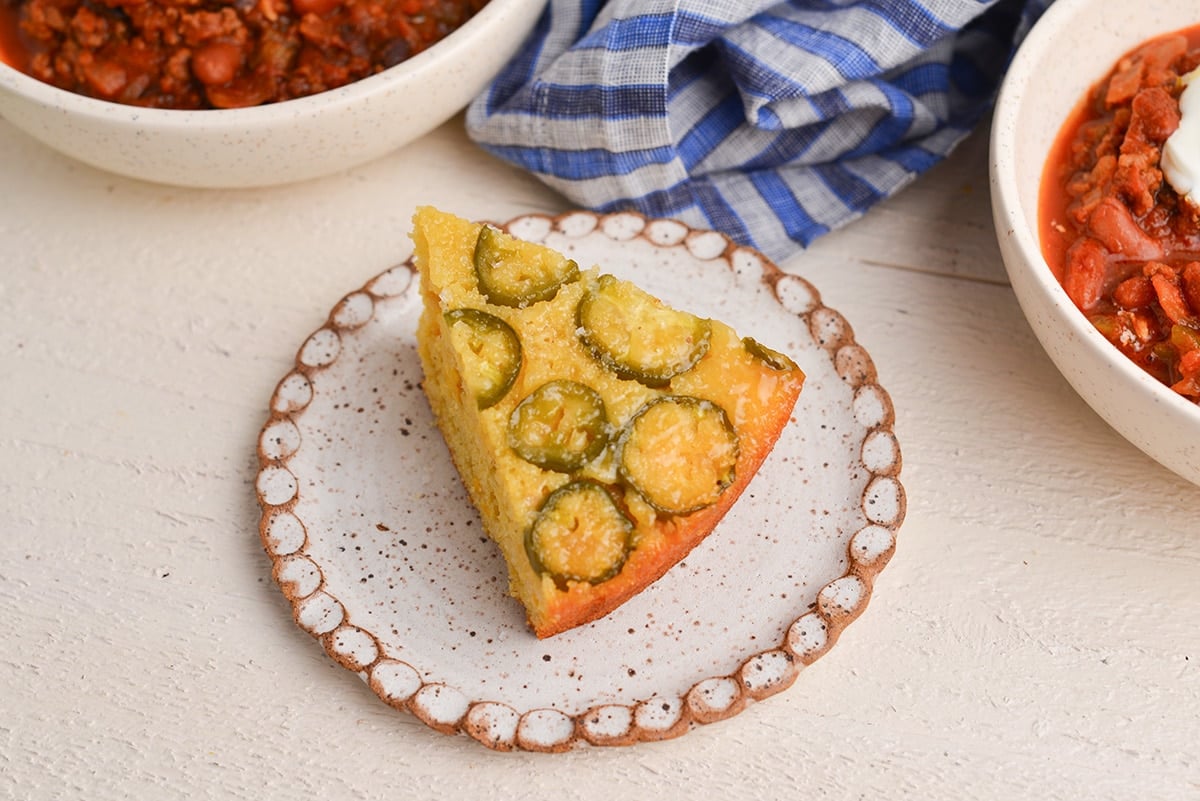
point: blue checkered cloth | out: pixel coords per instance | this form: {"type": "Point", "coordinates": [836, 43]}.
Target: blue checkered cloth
{"type": "Point", "coordinates": [774, 122]}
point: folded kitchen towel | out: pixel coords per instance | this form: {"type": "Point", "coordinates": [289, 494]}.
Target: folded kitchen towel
{"type": "Point", "coordinates": [774, 122]}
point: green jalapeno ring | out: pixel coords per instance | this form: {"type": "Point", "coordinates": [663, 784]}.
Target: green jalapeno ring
{"type": "Point", "coordinates": [490, 350]}
{"type": "Point", "coordinates": [636, 336]}
{"type": "Point", "coordinates": [699, 437]}
{"type": "Point", "coordinates": [562, 425]}
{"type": "Point", "coordinates": [581, 509]}
{"type": "Point", "coordinates": [772, 358]}
{"type": "Point", "coordinates": [515, 273]}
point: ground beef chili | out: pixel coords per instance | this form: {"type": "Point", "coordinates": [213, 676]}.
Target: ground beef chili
{"type": "Point", "coordinates": [200, 54]}
{"type": "Point", "coordinates": [1123, 243]}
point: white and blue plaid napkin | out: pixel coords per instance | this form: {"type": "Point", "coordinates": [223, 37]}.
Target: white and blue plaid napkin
{"type": "Point", "coordinates": [774, 122]}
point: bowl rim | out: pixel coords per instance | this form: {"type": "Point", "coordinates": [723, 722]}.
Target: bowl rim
{"type": "Point", "coordinates": [329, 101]}
{"type": "Point", "coordinates": [1026, 238]}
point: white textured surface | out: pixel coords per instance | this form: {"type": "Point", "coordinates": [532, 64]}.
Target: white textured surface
{"type": "Point", "coordinates": [1034, 636]}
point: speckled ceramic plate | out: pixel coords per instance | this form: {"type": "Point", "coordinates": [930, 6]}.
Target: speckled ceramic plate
{"type": "Point", "coordinates": [382, 557]}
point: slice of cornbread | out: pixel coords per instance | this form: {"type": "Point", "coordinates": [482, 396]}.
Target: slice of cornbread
{"type": "Point", "coordinates": [600, 433]}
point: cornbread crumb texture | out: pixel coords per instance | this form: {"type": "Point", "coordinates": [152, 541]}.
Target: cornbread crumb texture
{"type": "Point", "coordinates": [600, 433]}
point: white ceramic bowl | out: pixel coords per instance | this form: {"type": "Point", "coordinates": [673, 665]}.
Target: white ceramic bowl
{"type": "Point", "coordinates": [1072, 46]}
{"type": "Point", "coordinates": [282, 142]}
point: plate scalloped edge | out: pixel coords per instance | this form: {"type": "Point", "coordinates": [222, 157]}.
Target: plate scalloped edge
{"type": "Point", "coordinates": [497, 725]}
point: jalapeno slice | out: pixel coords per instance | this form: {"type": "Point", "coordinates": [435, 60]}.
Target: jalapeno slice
{"type": "Point", "coordinates": [638, 337]}
{"type": "Point", "coordinates": [679, 452]}
{"type": "Point", "coordinates": [513, 272]}
{"type": "Point", "coordinates": [772, 358]}
{"type": "Point", "coordinates": [490, 351]}
{"type": "Point", "coordinates": [562, 425]}
{"type": "Point", "coordinates": [580, 534]}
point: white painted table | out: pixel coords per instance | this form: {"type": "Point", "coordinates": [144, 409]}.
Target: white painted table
{"type": "Point", "coordinates": [1037, 634]}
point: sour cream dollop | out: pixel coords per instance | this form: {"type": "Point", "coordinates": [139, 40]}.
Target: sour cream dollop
{"type": "Point", "coordinates": [1181, 152]}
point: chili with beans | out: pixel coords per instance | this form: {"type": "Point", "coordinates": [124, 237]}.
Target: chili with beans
{"type": "Point", "coordinates": [200, 54]}
{"type": "Point", "coordinates": [1123, 243]}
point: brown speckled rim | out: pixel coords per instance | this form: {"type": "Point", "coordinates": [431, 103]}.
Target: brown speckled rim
{"type": "Point", "coordinates": [497, 725]}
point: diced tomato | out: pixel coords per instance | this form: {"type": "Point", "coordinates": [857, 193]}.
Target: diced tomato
{"type": "Point", "coordinates": [1084, 275]}
{"type": "Point", "coordinates": [1166, 287]}
{"type": "Point", "coordinates": [1135, 292]}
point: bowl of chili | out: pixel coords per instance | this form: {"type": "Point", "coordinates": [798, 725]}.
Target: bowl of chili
{"type": "Point", "coordinates": [1101, 248]}
{"type": "Point", "coordinates": [248, 93]}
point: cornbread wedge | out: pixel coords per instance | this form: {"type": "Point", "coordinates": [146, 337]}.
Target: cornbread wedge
{"type": "Point", "coordinates": [601, 434]}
